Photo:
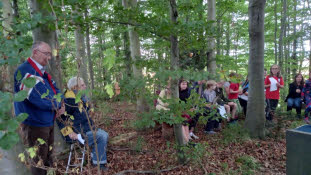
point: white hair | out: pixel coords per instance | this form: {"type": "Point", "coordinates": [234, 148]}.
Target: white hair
{"type": "Point", "coordinates": [73, 82]}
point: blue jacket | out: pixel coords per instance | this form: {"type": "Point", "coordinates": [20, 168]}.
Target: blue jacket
{"type": "Point", "coordinates": [76, 118]}
{"type": "Point", "coordinates": [41, 111]}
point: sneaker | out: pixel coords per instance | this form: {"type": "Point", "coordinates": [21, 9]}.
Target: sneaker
{"type": "Point", "coordinates": [307, 120]}
{"type": "Point", "coordinates": [210, 132]}
{"type": "Point", "coordinates": [192, 135]}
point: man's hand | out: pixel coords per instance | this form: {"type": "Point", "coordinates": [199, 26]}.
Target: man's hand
{"type": "Point", "coordinates": [298, 90]}
{"type": "Point", "coordinates": [73, 136]}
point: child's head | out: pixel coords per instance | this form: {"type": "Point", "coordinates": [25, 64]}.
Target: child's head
{"type": "Point", "coordinates": [183, 85]}
{"type": "Point", "coordinates": [275, 70]}
{"type": "Point", "coordinates": [220, 84]}
{"type": "Point", "coordinates": [211, 84]}
{"type": "Point", "coordinates": [299, 79]}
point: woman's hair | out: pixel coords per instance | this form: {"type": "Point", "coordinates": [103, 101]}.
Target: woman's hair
{"type": "Point", "coordinates": [210, 83]}
{"type": "Point", "coordinates": [302, 80]}
{"type": "Point", "coordinates": [73, 82]}
{"type": "Point", "coordinates": [182, 80]}
{"type": "Point", "coordinates": [279, 72]}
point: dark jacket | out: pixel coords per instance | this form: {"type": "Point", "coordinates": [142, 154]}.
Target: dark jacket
{"type": "Point", "coordinates": [76, 118]}
{"type": "Point", "coordinates": [292, 91]}
{"type": "Point", "coordinates": [41, 111]}
{"type": "Point", "coordinates": [184, 95]}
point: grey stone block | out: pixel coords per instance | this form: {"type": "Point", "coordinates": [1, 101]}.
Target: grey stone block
{"type": "Point", "coordinates": [298, 151]}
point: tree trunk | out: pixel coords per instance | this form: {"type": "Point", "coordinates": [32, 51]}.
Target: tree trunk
{"type": "Point", "coordinates": [174, 82]}
{"type": "Point", "coordinates": [294, 56]}
{"type": "Point", "coordinates": [282, 32]}
{"type": "Point", "coordinates": [45, 33]}
{"type": "Point", "coordinates": [255, 117]}
{"type": "Point", "coordinates": [80, 52]}
{"type": "Point", "coordinates": [228, 42]}
{"type": "Point", "coordinates": [127, 53]}
{"type": "Point", "coordinates": [102, 48]}
{"type": "Point", "coordinates": [88, 49]}
{"type": "Point", "coordinates": [211, 57]}
{"type": "Point", "coordinates": [275, 32]}
{"type": "Point", "coordinates": [142, 105]}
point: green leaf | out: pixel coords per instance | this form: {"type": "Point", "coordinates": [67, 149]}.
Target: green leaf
{"type": "Point", "coordinates": [19, 75]}
{"type": "Point", "coordinates": [71, 117]}
{"type": "Point", "coordinates": [32, 152]}
{"type": "Point", "coordinates": [58, 97]}
{"type": "Point", "coordinates": [109, 90]}
{"type": "Point", "coordinates": [29, 82]}
{"type": "Point", "coordinates": [45, 94]}
{"type": "Point", "coordinates": [21, 117]}
{"type": "Point", "coordinates": [41, 141]}
{"type": "Point", "coordinates": [12, 125]}
{"type": "Point", "coordinates": [9, 140]}
{"type": "Point", "coordinates": [21, 156]}
{"type": "Point", "coordinates": [20, 96]}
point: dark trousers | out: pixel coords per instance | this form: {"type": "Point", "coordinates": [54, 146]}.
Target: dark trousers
{"type": "Point", "coordinates": [212, 123]}
{"type": "Point", "coordinates": [44, 152]}
{"type": "Point", "coordinates": [270, 108]}
{"type": "Point", "coordinates": [243, 103]}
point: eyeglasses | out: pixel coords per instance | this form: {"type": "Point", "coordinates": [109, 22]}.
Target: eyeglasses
{"type": "Point", "coordinates": [274, 68]}
{"type": "Point", "coordinates": [46, 53]}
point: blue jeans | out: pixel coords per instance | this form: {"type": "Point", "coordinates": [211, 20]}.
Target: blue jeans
{"type": "Point", "coordinates": [101, 140]}
{"type": "Point", "coordinates": [294, 103]}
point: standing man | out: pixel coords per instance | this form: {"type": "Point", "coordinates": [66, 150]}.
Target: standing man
{"type": "Point", "coordinates": [41, 111]}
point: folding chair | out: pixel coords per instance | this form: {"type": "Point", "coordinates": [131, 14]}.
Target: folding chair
{"type": "Point", "coordinates": [81, 159]}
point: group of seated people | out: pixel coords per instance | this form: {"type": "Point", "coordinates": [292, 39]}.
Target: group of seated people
{"type": "Point", "coordinates": [221, 102]}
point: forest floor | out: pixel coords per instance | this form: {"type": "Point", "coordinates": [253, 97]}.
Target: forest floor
{"type": "Point", "coordinates": [230, 151]}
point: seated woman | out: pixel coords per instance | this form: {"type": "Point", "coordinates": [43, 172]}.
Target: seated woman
{"type": "Point", "coordinates": [294, 94]}
{"type": "Point", "coordinates": [76, 121]}
{"type": "Point", "coordinates": [166, 128]}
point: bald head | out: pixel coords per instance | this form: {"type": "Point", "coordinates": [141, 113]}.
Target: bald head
{"type": "Point", "coordinates": [41, 52]}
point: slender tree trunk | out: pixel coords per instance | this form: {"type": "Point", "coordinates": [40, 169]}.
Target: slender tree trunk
{"type": "Point", "coordinates": [282, 32]}
{"type": "Point", "coordinates": [228, 42]}
{"type": "Point", "coordinates": [174, 82]}
{"type": "Point", "coordinates": [218, 39]}
{"type": "Point", "coordinates": [255, 117]}
{"type": "Point", "coordinates": [88, 49]}
{"type": "Point", "coordinates": [294, 56]}
{"type": "Point", "coordinates": [142, 105]}
{"type": "Point", "coordinates": [211, 57]}
{"type": "Point", "coordinates": [80, 51]}
{"type": "Point", "coordinates": [275, 32]}
{"type": "Point", "coordinates": [127, 53]}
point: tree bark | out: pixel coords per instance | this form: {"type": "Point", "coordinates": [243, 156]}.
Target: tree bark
{"type": "Point", "coordinates": [255, 117]}
{"type": "Point", "coordinates": [127, 53]}
{"type": "Point", "coordinates": [47, 34]}
{"type": "Point", "coordinates": [275, 32]}
{"type": "Point", "coordinates": [174, 82]}
{"type": "Point", "coordinates": [294, 56]}
{"type": "Point", "coordinates": [211, 57]}
{"type": "Point", "coordinates": [88, 49]}
{"type": "Point", "coordinates": [282, 33]}
{"type": "Point", "coordinates": [142, 105]}
{"type": "Point", "coordinates": [80, 51]}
